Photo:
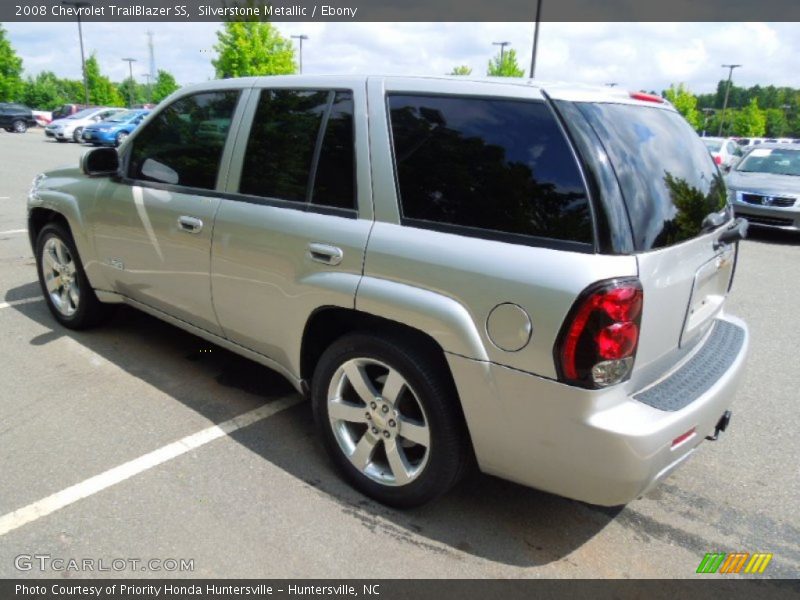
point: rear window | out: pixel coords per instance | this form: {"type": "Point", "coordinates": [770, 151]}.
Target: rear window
{"type": "Point", "coordinates": [487, 167]}
{"type": "Point", "coordinates": [668, 179]}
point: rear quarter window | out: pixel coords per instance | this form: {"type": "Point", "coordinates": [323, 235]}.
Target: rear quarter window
{"type": "Point", "coordinates": [668, 179]}
{"type": "Point", "coordinates": [496, 168]}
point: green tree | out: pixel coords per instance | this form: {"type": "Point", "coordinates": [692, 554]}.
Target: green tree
{"type": "Point", "coordinates": [101, 91]}
{"type": "Point", "coordinates": [776, 123]}
{"type": "Point", "coordinates": [749, 121]}
{"type": "Point", "coordinates": [131, 88]}
{"type": "Point", "coordinates": [686, 103]}
{"type": "Point", "coordinates": [505, 66]}
{"type": "Point", "coordinates": [461, 70]}
{"type": "Point", "coordinates": [11, 83]}
{"type": "Point", "coordinates": [247, 48]}
{"type": "Point", "coordinates": [164, 85]}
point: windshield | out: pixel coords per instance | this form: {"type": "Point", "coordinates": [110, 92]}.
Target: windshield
{"type": "Point", "coordinates": [777, 161]}
{"type": "Point", "coordinates": [669, 181]}
{"type": "Point", "coordinates": [83, 114]}
{"type": "Point", "coordinates": [123, 117]}
{"type": "Point", "coordinates": [713, 145]}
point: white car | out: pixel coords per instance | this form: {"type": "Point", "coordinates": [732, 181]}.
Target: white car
{"type": "Point", "coordinates": [71, 128]}
{"type": "Point", "coordinates": [725, 151]}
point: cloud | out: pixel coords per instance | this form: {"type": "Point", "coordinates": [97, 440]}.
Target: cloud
{"type": "Point", "coordinates": [646, 56]}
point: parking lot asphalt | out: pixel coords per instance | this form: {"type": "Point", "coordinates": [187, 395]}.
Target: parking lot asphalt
{"type": "Point", "coordinates": [264, 501]}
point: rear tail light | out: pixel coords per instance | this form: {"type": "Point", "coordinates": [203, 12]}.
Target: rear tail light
{"type": "Point", "coordinates": [717, 159]}
{"type": "Point", "coordinates": [598, 341]}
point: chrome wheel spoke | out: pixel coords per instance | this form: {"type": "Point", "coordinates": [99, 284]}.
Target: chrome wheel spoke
{"type": "Point", "coordinates": [344, 411]}
{"type": "Point", "coordinates": [52, 282]}
{"type": "Point", "coordinates": [397, 463]}
{"type": "Point", "coordinates": [73, 295]}
{"type": "Point", "coordinates": [362, 455]}
{"type": "Point", "coordinates": [393, 387]}
{"type": "Point", "coordinates": [61, 252]}
{"type": "Point", "coordinates": [50, 260]}
{"type": "Point", "coordinates": [415, 432]}
{"type": "Point", "coordinates": [360, 381]}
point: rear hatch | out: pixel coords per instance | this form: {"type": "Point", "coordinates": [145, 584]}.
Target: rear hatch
{"type": "Point", "coordinates": [670, 185]}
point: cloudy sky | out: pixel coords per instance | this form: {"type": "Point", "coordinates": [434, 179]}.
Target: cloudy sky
{"type": "Point", "coordinates": [634, 55]}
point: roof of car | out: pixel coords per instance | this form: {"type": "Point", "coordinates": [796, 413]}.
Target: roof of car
{"type": "Point", "coordinates": [555, 89]}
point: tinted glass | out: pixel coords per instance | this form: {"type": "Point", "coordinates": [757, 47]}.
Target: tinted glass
{"type": "Point", "coordinates": [184, 144]}
{"type": "Point", "coordinates": [334, 183]}
{"type": "Point", "coordinates": [489, 164]}
{"type": "Point", "coordinates": [281, 146]}
{"type": "Point", "coordinates": [668, 179]}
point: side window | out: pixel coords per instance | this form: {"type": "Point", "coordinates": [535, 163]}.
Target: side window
{"type": "Point", "coordinates": [301, 148]}
{"type": "Point", "coordinates": [183, 144]}
{"type": "Point", "coordinates": [487, 164]}
{"type": "Point", "coordinates": [334, 182]}
{"type": "Point", "coordinates": [279, 152]}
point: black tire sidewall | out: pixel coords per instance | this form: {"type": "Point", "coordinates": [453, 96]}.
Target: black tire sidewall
{"type": "Point", "coordinates": [87, 304]}
{"type": "Point", "coordinates": [434, 392]}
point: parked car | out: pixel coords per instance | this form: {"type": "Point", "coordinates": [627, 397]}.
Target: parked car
{"type": "Point", "coordinates": [765, 186]}
{"type": "Point", "coordinates": [43, 118]}
{"type": "Point", "coordinates": [113, 130]}
{"type": "Point", "coordinates": [67, 110]}
{"type": "Point", "coordinates": [16, 118]}
{"type": "Point", "coordinates": [71, 128]}
{"type": "Point", "coordinates": [452, 270]}
{"type": "Point", "coordinates": [724, 151]}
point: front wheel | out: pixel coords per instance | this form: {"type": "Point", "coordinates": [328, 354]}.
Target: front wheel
{"type": "Point", "coordinates": [19, 126]}
{"type": "Point", "coordinates": [66, 289]}
{"type": "Point", "coordinates": [388, 415]}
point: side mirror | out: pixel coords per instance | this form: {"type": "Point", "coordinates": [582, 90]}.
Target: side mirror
{"type": "Point", "coordinates": [100, 162]}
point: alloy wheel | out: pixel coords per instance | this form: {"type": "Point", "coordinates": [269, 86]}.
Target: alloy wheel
{"type": "Point", "coordinates": [60, 276]}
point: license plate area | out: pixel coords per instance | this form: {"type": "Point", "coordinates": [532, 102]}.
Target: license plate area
{"type": "Point", "coordinates": [709, 289]}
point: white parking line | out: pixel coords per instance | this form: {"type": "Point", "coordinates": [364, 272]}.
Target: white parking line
{"type": "Point", "coordinates": [10, 231]}
{"type": "Point", "coordinates": [18, 302]}
{"type": "Point", "coordinates": [91, 486]}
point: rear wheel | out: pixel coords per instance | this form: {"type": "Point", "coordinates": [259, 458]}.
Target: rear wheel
{"type": "Point", "coordinates": [66, 289]}
{"type": "Point", "coordinates": [388, 415]}
{"type": "Point", "coordinates": [121, 137]}
{"type": "Point", "coordinates": [19, 126]}
{"type": "Point", "coordinates": [77, 134]}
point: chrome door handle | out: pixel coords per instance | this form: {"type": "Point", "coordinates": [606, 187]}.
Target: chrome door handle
{"type": "Point", "coordinates": [190, 224]}
{"type": "Point", "coordinates": [325, 254]}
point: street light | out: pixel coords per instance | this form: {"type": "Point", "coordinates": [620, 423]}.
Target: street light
{"type": "Point", "coordinates": [300, 39]}
{"type": "Point", "coordinates": [535, 37]}
{"type": "Point", "coordinates": [130, 62]}
{"type": "Point", "coordinates": [81, 4]}
{"type": "Point", "coordinates": [502, 49]}
{"type": "Point", "coordinates": [727, 91]}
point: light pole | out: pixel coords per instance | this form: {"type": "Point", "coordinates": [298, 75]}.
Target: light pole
{"type": "Point", "coordinates": [502, 49]}
{"type": "Point", "coordinates": [535, 37]}
{"type": "Point", "coordinates": [300, 39]}
{"type": "Point", "coordinates": [149, 89]}
{"type": "Point", "coordinates": [81, 4]}
{"type": "Point", "coordinates": [130, 62]}
{"type": "Point", "coordinates": [727, 91]}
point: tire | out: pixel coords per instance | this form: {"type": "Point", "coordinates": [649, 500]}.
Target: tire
{"type": "Point", "coordinates": [19, 126]}
{"type": "Point", "coordinates": [120, 137]}
{"type": "Point", "coordinates": [426, 410]}
{"type": "Point", "coordinates": [77, 134]}
{"type": "Point", "coordinates": [74, 303]}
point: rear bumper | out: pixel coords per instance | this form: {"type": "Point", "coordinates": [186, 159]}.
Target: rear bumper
{"type": "Point", "coordinates": [598, 446]}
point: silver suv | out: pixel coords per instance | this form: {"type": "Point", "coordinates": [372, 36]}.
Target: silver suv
{"type": "Point", "coordinates": [523, 276]}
